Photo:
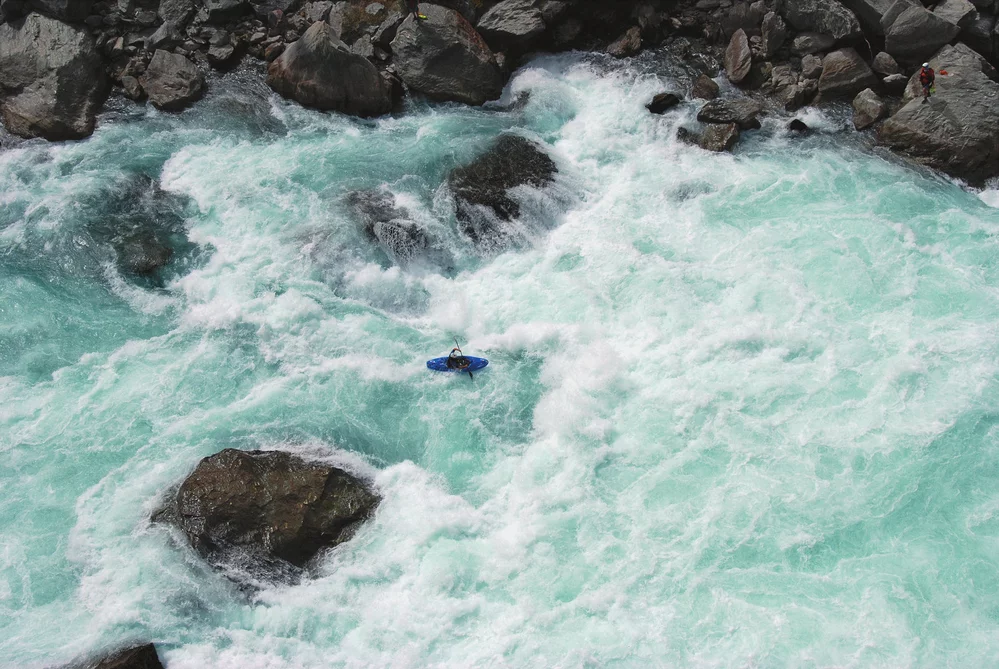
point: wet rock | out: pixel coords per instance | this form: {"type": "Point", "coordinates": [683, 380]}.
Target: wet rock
{"type": "Point", "coordinates": [917, 33]}
{"type": "Point", "coordinates": [688, 136]}
{"type": "Point", "coordinates": [868, 109]}
{"type": "Point", "coordinates": [719, 137]}
{"type": "Point", "coordinates": [663, 102]}
{"type": "Point", "coordinates": [738, 58]}
{"type": "Point", "coordinates": [138, 657]}
{"type": "Point", "coordinates": [445, 59]}
{"type": "Point", "coordinates": [628, 44]}
{"type": "Point", "coordinates": [319, 71]}
{"type": "Point", "coordinates": [821, 16]}
{"type": "Point", "coordinates": [52, 81]}
{"type": "Point", "coordinates": [955, 131]}
{"type": "Point", "coordinates": [741, 111]}
{"type": "Point", "coordinates": [142, 253]}
{"type": "Point", "coordinates": [705, 88]}
{"type": "Point", "coordinates": [512, 26]}
{"type": "Point", "coordinates": [485, 183]}
{"type": "Point", "coordinates": [844, 74]}
{"type": "Point", "coordinates": [885, 65]}
{"type": "Point", "coordinates": [959, 12]}
{"type": "Point", "coordinates": [811, 43]}
{"type": "Point", "coordinates": [267, 513]}
{"type": "Point", "coordinates": [774, 34]}
{"type": "Point", "coordinates": [402, 239]}
{"type": "Point", "coordinates": [171, 81]}
{"type": "Point", "coordinates": [799, 127]}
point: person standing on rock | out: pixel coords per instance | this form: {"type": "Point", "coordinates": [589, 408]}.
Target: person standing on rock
{"type": "Point", "coordinates": [414, 9]}
{"type": "Point", "coordinates": [927, 77]}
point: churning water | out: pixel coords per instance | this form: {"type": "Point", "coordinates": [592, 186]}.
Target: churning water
{"type": "Point", "coordinates": [743, 411]}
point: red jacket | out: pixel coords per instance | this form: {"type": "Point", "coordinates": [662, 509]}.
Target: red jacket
{"type": "Point", "coordinates": [927, 76]}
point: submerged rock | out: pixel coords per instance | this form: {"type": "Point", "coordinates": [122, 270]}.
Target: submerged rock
{"type": "Point", "coordinates": [512, 161]}
{"type": "Point", "coordinates": [389, 225]}
{"type": "Point", "coordinates": [445, 59]}
{"type": "Point", "coordinates": [171, 81]}
{"type": "Point", "coordinates": [319, 71]}
{"type": "Point", "coordinates": [267, 512]}
{"type": "Point", "coordinates": [663, 102]}
{"type": "Point", "coordinates": [956, 130]}
{"type": "Point", "coordinates": [52, 82]}
{"type": "Point", "coordinates": [142, 253]}
{"type": "Point", "coordinates": [741, 111]}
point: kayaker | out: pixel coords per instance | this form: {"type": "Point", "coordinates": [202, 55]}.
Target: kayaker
{"type": "Point", "coordinates": [927, 77]}
{"type": "Point", "coordinates": [457, 360]}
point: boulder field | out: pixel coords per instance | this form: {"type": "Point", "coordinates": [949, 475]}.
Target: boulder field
{"type": "Point", "coordinates": [59, 58]}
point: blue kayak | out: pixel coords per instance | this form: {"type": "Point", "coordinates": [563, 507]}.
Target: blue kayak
{"type": "Point", "coordinates": [440, 365]}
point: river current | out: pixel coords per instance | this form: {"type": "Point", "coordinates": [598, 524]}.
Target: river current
{"type": "Point", "coordinates": [742, 411]}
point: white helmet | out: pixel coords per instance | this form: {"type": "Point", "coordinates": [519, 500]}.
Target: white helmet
{"type": "Point", "coordinates": [926, 64]}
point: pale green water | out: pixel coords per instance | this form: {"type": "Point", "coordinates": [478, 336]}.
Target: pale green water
{"type": "Point", "coordinates": [742, 409]}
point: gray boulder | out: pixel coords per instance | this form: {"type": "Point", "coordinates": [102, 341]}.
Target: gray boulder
{"type": "Point", "coordinates": [979, 35]}
{"type": "Point", "coordinates": [869, 12]}
{"type": "Point", "coordinates": [512, 26]}
{"type": "Point", "coordinates": [868, 109]}
{"type": "Point", "coordinates": [895, 10]}
{"type": "Point", "coordinates": [895, 84]}
{"type": "Point", "coordinates": [774, 34]}
{"type": "Point", "coordinates": [811, 43]}
{"type": "Point", "coordinates": [741, 111]}
{"type": "Point", "coordinates": [74, 11]}
{"type": "Point", "coordinates": [811, 67]}
{"type": "Point", "coordinates": [224, 11]}
{"type": "Point", "coordinates": [177, 12]}
{"type": "Point", "coordinates": [628, 44]}
{"type": "Point", "coordinates": [917, 33]}
{"type": "Point", "coordinates": [52, 82]}
{"type": "Point", "coordinates": [821, 16]}
{"type": "Point", "coordinates": [956, 131]}
{"type": "Point", "coordinates": [738, 57]}
{"type": "Point", "coordinates": [319, 71]}
{"type": "Point", "coordinates": [705, 88]}
{"type": "Point", "coordinates": [884, 64]}
{"type": "Point", "coordinates": [959, 12]}
{"type": "Point", "coordinates": [171, 81]}
{"type": "Point", "coordinates": [719, 137]}
{"type": "Point", "coordinates": [844, 74]}
{"type": "Point", "coordinates": [445, 59]}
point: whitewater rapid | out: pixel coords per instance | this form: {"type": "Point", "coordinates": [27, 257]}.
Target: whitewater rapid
{"type": "Point", "coordinates": [741, 410]}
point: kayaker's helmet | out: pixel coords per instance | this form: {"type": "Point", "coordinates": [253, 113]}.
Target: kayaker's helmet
{"type": "Point", "coordinates": [926, 64]}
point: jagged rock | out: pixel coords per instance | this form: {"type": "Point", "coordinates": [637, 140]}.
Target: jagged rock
{"type": "Point", "coordinates": [979, 35]}
{"type": "Point", "coordinates": [918, 33]}
{"type": "Point", "coordinates": [628, 44]}
{"type": "Point", "coordinates": [73, 11]}
{"type": "Point", "coordinates": [52, 82]}
{"type": "Point", "coordinates": [742, 111]}
{"type": "Point", "coordinates": [167, 36]}
{"type": "Point", "coordinates": [895, 84]}
{"type": "Point", "coordinates": [268, 513]}
{"type": "Point", "coordinates": [738, 58]}
{"type": "Point", "coordinates": [868, 109]}
{"type": "Point", "coordinates": [821, 16]}
{"type": "Point", "coordinates": [132, 88]}
{"type": "Point", "coordinates": [885, 65]}
{"type": "Point", "coordinates": [485, 183]}
{"type": "Point", "coordinates": [320, 71]}
{"type": "Point", "coordinates": [959, 12]}
{"type": "Point", "coordinates": [956, 131]}
{"type": "Point", "coordinates": [705, 88]}
{"type": "Point", "coordinates": [176, 11]}
{"type": "Point", "coordinates": [811, 43]}
{"type": "Point", "coordinates": [445, 59]}
{"type": "Point", "coordinates": [663, 102]}
{"type": "Point", "coordinates": [801, 94]}
{"type": "Point", "coordinates": [844, 74]}
{"type": "Point", "coordinates": [171, 81]}
{"type": "Point", "coordinates": [512, 26]}
{"type": "Point", "coordinates": [138, 657]}
{"type": "Point", "coordinates": [743, 16]}
{"type": "Point", "coordinates": [869, 12]}
{"type": "Point", "coordinates": [811, 67]}
{"type": "Point", "coordinates": [719, 137]}
{"type": "Point", "coordinates": [224, 11]}
{"type": "Point", "coordinates": [402, 239]}
{"type": "Point", "coordinates": [387, 31]}
{"type": "Point", "coordinates": [774, 34]}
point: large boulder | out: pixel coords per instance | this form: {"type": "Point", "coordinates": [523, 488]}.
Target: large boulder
{"type": "Point", "coordinates": [741, 111]}
{"type": "Point", "coordinates": [319, 71]}
{"type": "Point", "coordinates": [868, 109]}
{"type": "Point", "coordinates": [628, 44]}
{"type": "Point", "coordinates": [445, 59]}
{"type": "Point", "coordinates": [869, 12]}
{"type": "Point", "coordinates": [136, 657]}
{"type": "Point", "coordinates": [738, 57]}
{"type": "Point", "coordinates": [719, 137]}
{"type": "Point", "coordinates": [268, 513]}
{"type": "Point", "coordinates": [171, 81]}
{"type": "Point", "coordinates": [821, 16]}
{"type": "Point", "coordinates": [52, 82]}
{"type": "Point", "coordinates": [512, 26]}
{"type": "Point", "coordinates": [483, 185]}
{"type": "Point", "coordinates": [979, 35]}
{"type": "Point", "coordinates": [73, 11]}
{"type": "Point", "coordinates": [917, 33]}
{"type": "Point", "coordinates": [959, 12]}
{"type": "Point", "coordinates": [844, 74]}
{"type": "Point", "coordinates": [956, 131]}
{"type": "Point", "coordinates": [774, 33]}
{"type": "Point", "coordinates": [390, 226]}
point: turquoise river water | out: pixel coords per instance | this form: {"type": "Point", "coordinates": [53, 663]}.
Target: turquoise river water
{"type": "Point", "coordinates": [743, 410]}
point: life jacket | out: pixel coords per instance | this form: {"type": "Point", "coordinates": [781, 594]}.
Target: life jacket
{"type": "Point", "coordinates": [926, 76]}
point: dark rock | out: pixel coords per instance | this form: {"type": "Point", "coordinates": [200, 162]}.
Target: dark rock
{"type": "Point", "coordinates": [567, 33]}
{"type": "Point", "coordinates": [52, 81]}
{"type": "Point", "coordinates": [956, 131]}
{"type": "Point", "coordinates": [171, 81]}
{"type": "Point", "coordinates": [224, 11]}
{"type": "Point", "coordinates": [959, 12]}
{"type": "Point", "coordinates": [485, 183]}
{"type": "Point", "coordinates": [387, 30]}
{"type": "Point", "coordinates": [743, 16]}
{"type": "Point", "coordinates": [895, 10]}
{"type": "Point", "coordinates": [132, 88]}
{"type": "Point", "coordinates": [142, 253]}
{"type": "Point", "coordinates": [799, 126]}
{"type": "Point", "coordinates": [979, 35]}
{"type": "Point", "coordinates": [868, 109]}
{"type": "Point", "coordinates": [705, 88]}
{"type": "Point", "coordinates": [811, 43]}
{"type": "Point", "coordinates": [223, 57]}
{"type": "Point", "coordinates": [917, 33]}
{"type": "Point", "coordinates": [774, 34]}
{"type": "Point", "coordinates": [719, 137]}
{"type": "Point", "coordinates": [688, 136]}
{"type": "Point", "coordinates": [264, 511]}
{"type": "Point", "coordinates": [821, 16]}
{"type": "Point", "coordinates": [402, 239]}
{"type": "Point", "coordinates": [742, 111]}
{"type": "Point", "coordinates": [139, 657]}
{"type": "Point", "coordinates": [738, 58]}
{"type": "Point", "coordinates": [628, 44]}
{"type": "Point", "coordinates": [73, 11]}
{"type": "Point", "coordinates": [445, 59]}
{"type": "Point", "coordinates": [885, 65]}
{"type": "Point", "coordinates": [512, 26]}
{"type": "Point", "coordinates": [811, 67]}
{"type": "Point", "coordinates": [844, 74]}
{"type": "Point", "coordinates": [553, 11]}
{"type": "Point", "coordinates": [869, 12]}
{"type": "Point", "coordinates": [663, 103]}
{"type": "Point", "coordinates": [896, 84]}
{"type": "Point", "coordinates": [319, 71]}
{"type": "Point", "coordinates": [273, 51]}
{"type": "Point", "coordinates": [167, 36]}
